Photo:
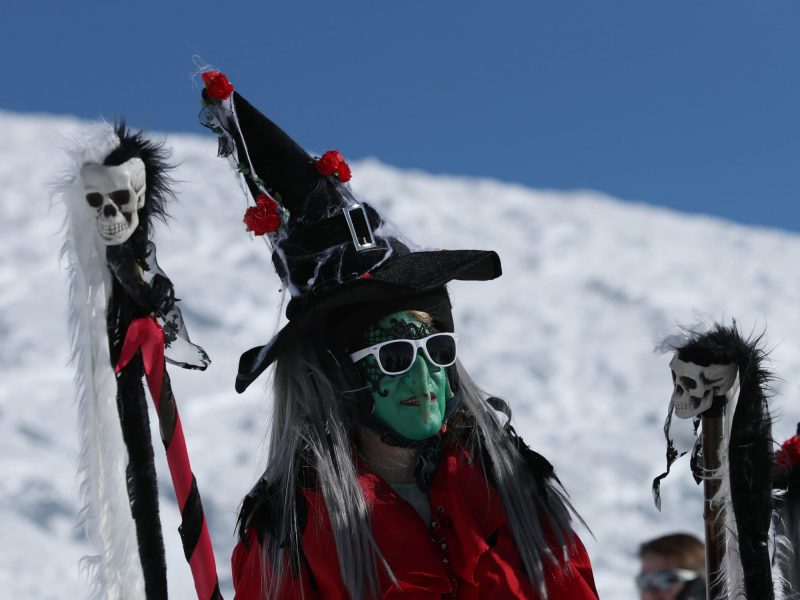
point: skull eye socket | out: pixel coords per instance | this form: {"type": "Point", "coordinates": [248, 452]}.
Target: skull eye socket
{"type": "Point", "coordinates": [95, 199]}
{"type": "Point", "coordinates": [688, 383]}
{"type": "Point", "coordinates": [120, 197]}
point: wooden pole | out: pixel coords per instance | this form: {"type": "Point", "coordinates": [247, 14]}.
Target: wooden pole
{"type": "Point", "coordinates": [713, 515]}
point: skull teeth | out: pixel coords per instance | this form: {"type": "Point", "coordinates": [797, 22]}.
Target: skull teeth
{"type": "Point", "coordinates": [110, 231]}
{"type": "Point", "coordinates": [113, 229]}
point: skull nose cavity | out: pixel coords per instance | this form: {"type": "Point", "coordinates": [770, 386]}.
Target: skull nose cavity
{"type": "Point", "coordinates": [109, 210]}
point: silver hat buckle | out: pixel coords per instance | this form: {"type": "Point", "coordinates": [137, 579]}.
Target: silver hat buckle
{"type": "Point", "coordinates": [366, 241]}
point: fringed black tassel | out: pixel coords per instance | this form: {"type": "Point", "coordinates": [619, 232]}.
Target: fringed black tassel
{"type": "Point", "coordinates": [141, 476]}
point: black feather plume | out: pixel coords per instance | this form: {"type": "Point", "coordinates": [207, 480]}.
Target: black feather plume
{"type": "Point", "coordinates": [157, 168]}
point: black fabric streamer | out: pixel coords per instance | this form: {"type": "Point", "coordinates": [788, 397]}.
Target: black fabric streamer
{"type": "Point", "coordinates": [135, 423]}
{"type": "Point", "coordinates": [141, 477]}
{"type": "Point", "coordinates": [673, 454]}
{"type": "Point", "coordinates": [696, 461]}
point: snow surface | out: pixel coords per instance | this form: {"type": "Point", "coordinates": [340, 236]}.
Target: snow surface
{"type": "Point", "coordinates": [590, 285]}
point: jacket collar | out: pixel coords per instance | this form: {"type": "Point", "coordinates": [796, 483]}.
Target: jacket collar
{"type": "Point", "coordinates": [466, 512]}
{"type": "Point", "coordinates": [465, 509]}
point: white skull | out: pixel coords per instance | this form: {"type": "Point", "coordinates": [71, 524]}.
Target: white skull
{"type": "Point", "coordinates": [115, 194]}
{"type": "Point", "coordinates": [695, 387]}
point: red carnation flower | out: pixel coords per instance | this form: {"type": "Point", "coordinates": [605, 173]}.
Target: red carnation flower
{"type": "Point", "coordinates": [789, 453]}
{"type": "Point", "coordinates": [332, 163]}
{"type": "Point", "coordinates": [263, 217]}
{"type": "Point", "coordinates": [217, 85]}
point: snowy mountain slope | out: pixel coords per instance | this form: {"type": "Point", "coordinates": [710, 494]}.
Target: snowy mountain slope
{"type": "Point", "coordinates": [566, 335]}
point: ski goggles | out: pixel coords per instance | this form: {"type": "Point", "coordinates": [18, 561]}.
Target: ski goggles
{"type": "Point", "coordinates": [664, 580]}
{"type": "Point", "coordinates": [396, 357]}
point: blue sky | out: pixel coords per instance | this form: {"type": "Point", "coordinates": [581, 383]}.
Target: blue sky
{"type": "Point", "coordinates": [692, 105]}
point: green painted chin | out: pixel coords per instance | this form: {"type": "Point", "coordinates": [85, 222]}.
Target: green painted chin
{"type": "Point", "coordinates": [412, 404]}
{"type": "Point", "coordinates": [415, 401]}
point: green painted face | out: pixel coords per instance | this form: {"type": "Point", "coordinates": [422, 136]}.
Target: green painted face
{"type": "Point", "coordinates": [411, 404]}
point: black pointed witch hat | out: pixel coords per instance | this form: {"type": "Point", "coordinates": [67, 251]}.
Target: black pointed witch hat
{"type": "Point", "coordinates": [340, 260]}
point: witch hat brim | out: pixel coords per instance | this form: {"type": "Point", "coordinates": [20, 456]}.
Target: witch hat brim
{"type": "Point", "coordinates": [405, 283]}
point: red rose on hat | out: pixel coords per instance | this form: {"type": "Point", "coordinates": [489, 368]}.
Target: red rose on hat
{"type": "Point", "coordinates": [332, 163]}
{"type": "Point", "coordinates": [263, 217]}
{"type": "Point", "coordinates": [217, 85]}
{"type": "Point", "coordinates": [329, 162]}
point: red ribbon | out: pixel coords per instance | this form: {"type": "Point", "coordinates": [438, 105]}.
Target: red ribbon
{"type": "Point", "coordinates": [145, 335]}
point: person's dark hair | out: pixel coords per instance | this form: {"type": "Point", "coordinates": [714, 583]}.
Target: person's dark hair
{"type": "Point", "coordinates": [686, 550]}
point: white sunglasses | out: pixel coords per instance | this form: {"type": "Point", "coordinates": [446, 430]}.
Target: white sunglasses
{"type": "Point", "coordinates": [396, 357]}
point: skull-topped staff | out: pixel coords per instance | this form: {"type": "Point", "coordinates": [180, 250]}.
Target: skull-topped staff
{"type": "Point", "coordinates": [720, 383]}
{"type": "Point", "coordinates": [125, 324]}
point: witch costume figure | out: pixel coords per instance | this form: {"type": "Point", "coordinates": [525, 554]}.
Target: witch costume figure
{"type": "Point", "coordinates": [390, 475]}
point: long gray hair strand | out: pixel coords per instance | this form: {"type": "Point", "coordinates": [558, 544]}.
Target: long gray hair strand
{"type": "Point", "coordinates": [313, 428]}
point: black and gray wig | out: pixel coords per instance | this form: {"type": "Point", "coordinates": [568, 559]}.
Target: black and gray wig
{"type": "Point", "coordinates": [313, 428]}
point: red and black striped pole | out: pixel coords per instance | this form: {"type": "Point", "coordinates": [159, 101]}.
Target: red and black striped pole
{"type": "Point", "coordinates": [145, 334]}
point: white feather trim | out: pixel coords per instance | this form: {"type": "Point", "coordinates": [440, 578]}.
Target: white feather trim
{"type": "Point", "coordinates": [730, 576]}
{"type": "Point", "coordinates": [115, 571]}
{"type": "Point", "coordinates": [781, 553]}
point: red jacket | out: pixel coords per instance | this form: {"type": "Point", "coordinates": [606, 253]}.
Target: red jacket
{"type": "Point", "coordinates": [468, 552]}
